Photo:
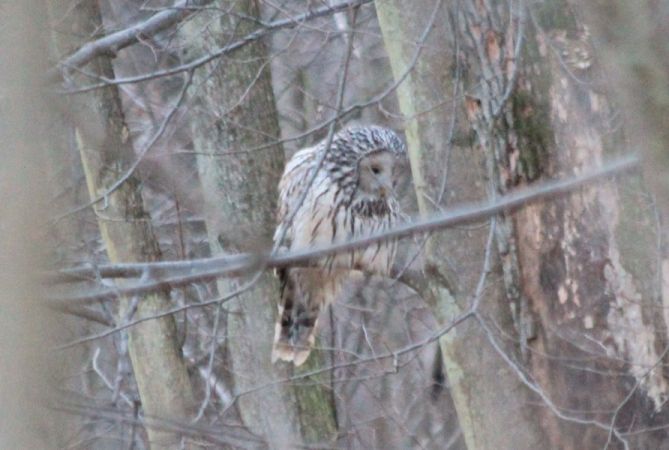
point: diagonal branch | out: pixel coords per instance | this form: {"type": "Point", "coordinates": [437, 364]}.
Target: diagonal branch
{"type": "Point", "coordinates": [114, 42]}
{"type": "Point", "coordinates": [289, 22]}
{"type": "Point", "coordinates": [174, 274]}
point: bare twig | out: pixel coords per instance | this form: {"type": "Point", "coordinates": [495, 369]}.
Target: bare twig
{"type": "Point", "coordinates": [169, 312]}
{"type": "Point", "coordinates": [613, 431]}
{"type": "Point", "coordinates": [103, 377]}
{"type": "Point", "coordinates": [210, 364]}
{"type": "Point", "coordinates": [237, 438]}
{"type": "Point", "coordinates": [128, 173]}
{"type": "Point", "coordinates": [114, 42]}
{"type": "Point", "coordinates": [185, 273]}
{"type": "Point", "coordinates": [86, 313]}
{"type": "Point", "coordinates": [527, 381]}
{"type": "Point", "coordinates": [279, 24]}
{"type": "Point", "coordinates": [321, 159]}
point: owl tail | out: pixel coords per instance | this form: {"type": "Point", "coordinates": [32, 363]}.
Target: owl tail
{"type": "Point", "coordinates": [295, 329]}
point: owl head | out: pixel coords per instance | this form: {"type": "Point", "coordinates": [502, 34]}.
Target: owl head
{"type": "Point", "coordinates": [365, 161]}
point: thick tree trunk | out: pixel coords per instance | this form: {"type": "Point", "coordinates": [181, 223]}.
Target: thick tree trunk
{"type": "Point", "coordinates": [107, 153]}
{"type": "Point", "coordinates": [632, 40]}
{"type": "Point", "coordinates": [575, 308]}
{"type": "Point", "coordinates": [590, 264]}
{"type": "Point", "coordinates": [26, 330]}
{"type": "Point", "coordinates": [235, 133]}
{"type": "Point", "coordinates": [491, 402]}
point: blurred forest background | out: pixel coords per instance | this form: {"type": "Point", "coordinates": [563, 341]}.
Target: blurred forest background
{"type": "Point", "coordinates": [142, 143]}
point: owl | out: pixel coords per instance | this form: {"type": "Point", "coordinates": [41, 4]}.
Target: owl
{"type": "Point", "coordinates": [352, 195]}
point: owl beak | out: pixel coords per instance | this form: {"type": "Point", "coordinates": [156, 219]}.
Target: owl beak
{"type": "Point", "coordinates": [383, 192]}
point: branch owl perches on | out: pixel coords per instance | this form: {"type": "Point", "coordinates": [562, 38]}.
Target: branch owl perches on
{"type": "Point", "coordinates": [352, 195]}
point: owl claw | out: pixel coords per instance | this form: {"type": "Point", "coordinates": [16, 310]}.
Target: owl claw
{"type": "Point", "coordinates": [281, 352]}
{"type": "Point", "coordinates": [300, 356]}
{"type": "Point", "coordinates": [286, 352]}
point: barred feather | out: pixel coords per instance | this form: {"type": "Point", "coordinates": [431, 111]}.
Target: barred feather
{"type": "Point", "coordinates": [333, 211]}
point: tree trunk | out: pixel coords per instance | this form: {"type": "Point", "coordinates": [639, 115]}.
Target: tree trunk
{"type": "Point", "coordinates": [107, 153]}
{"type": "Point", "coordinates": [235, 134]}
{"type": "Point", "coordinates": [631, 38]}
{"type": "Point", "coordinates": [491, 402]}
{"type": "Point", "coordinates": [29, 365]}
{"type": "Point", "coordinates": [573, 308]}
{"type": "Point", "coordinates": [590, 262]}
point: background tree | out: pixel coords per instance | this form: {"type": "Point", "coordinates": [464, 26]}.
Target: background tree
{"type": "Point", "coordinates": [25, 328]}
{"type": "Point", "coordinates": [240, 160]}
{"type": "Point", "coordinates": [569, 270]}
{"type": "Point", "coordinates": [126, 231]}
{"type": "Point", "coordinates": [432, 107]}
{"type": "Point", "coordinates": [548, 312]}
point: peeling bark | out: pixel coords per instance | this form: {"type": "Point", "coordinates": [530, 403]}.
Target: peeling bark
{"type": "Point", "coordinates": [481, 387]}
{"type": "Point", "coordinates": [581, 263]}
{"type": "Point", "coordinates": [589, 261]}
{"type": "Point", "coordinates": [576, 306]}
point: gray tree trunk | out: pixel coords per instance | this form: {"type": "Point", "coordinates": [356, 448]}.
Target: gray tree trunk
{"type": "Point", "coordinates": [106, 154]}
{"type": "Point", "coordinates": [567, 347]}
{"type": "Point", "coordinates": [235, 134]}
{"type": "Point", "coordinates": [631, 40]}
{"type": "Point", "coordinates": [27, 330]}
{"type": "Point", "coordinates": [481, 387]}
{"type": "Point", "coordinates": [590, 262]}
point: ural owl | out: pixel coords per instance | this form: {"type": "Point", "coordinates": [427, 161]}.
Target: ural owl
{"type": "Point", "coordinates": [353, 194]}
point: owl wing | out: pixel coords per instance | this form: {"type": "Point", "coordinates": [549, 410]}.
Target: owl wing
{"type": "Point", "coordinates": [296, 174]}
{"type": "Point", "coordinates": [300, 302]}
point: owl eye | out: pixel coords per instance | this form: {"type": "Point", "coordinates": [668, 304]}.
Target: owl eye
{"type": "Point", "coordinates": [376, 170]}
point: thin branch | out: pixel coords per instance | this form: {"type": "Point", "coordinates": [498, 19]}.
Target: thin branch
{"type": "Point", "coordinates": [103, 377]}
{"type": "Point", "coordinates": [239, 438]}
{"type": "Point", "coordinates": [391, 354]}
{"type": "Point", "coordinates": [228, 266]}
{"type": "Point", "coordinates": [114, 42]}
{"type": "Point", "coordinates": [210, 364]}
{"type": "Point", "coordinates": [86, 313]}
{"type": "Point", "coordinates": [527, 381]}
{"type": "Point", "coordinates": [613, 431]}
{"type": "Point", "coordinates": [142, 154]}
{"type": "Point", "coordinates": [326, 149]}
{"type": "Point", "coordinates": [289, 22]}
{"type": "Point", "coordinates": [355, 107]}
{"type": "Point", "coordinates": [169, 312]}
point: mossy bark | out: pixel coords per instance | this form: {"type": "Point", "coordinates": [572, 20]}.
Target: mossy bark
{"type": "Point", "coordinates": [481, 387]}
{"type": "Point", "coordinates": [576, 271]}
{"type": "Point", "coordinates": [236, 134]}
